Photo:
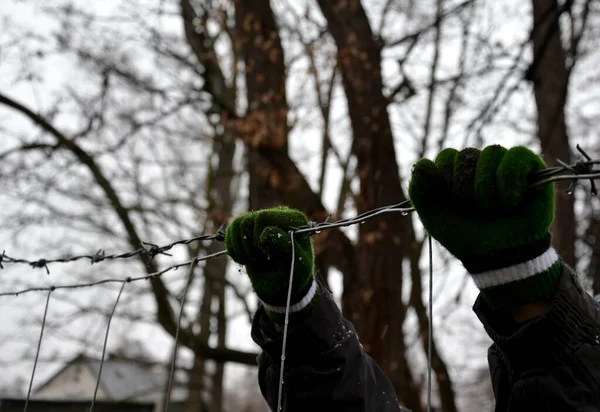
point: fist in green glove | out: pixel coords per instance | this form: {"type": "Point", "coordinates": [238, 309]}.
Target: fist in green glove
{"type": "Point", "coordinates": [261, 242]}
{"type": "Point", "coordinates": [479, 205]}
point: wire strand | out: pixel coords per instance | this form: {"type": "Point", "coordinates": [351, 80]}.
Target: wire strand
{"type": "Point", "coordinates": [430, 333]}
{"type": "Point", "coordinates": [105, 281]}
{"type": "Point", "coordinates": [149, 249]}
{"type": "Point", "coordinates": [174, 357]}
{"type": "Point", "coordinates": [110, 317]}
{"type": "Point", "coordinates": [37, 352]}
{"type": "Point", "coordinates": [286, 322]}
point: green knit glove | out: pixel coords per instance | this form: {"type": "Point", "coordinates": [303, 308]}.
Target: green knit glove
{"type": "Point", "coordinates": [478, 205]}
{"type": "Point", "coordinates": [261, 242]}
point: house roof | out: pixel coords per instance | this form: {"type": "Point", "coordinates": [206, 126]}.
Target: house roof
{"type": "Point", "coordinates": [124, 379]}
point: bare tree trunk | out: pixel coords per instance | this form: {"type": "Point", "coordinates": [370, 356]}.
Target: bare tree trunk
{"type": "Point", "coordinates": [196, 379]}
{"type": "Point", "coordinates": [275, 179]}
{"type": "Point", "coordinates": [218, 379]}
{"type": "Point", "coordinates": [550, 78]}
{"type": "Point", "coordinates": [220, 205]}
{"type": "Point", "coordinates": [266, 118]}
{"type": "Point", "coordinates": [373, 303]}
{"type": "Point", "coordinates": [376, 275]}
{"type": "Point", "coordinates": [220, 198]}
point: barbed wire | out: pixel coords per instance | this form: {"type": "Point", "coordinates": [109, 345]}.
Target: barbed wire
{"type": "Point", "coordinates": [149, 249]}
{"type": "Point", "coordinates": [114, 280]}
{"type": "Point", "coordinates": [581, 169]}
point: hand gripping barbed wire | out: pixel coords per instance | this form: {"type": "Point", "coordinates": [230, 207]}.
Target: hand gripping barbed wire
{"type": "Point", "coordinates": [581, 169]}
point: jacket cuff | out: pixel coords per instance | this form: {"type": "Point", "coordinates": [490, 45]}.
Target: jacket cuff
{"type": "Point", "coordinates": [320, 331]}
{"type": "Point", "coordinates": [572, 319]}
{"type": "Point", "coordinates": [298, 311]}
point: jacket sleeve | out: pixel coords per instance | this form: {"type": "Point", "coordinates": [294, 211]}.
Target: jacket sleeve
{"type": "Point", "coordinates": [325, 365]}
{"type": "Point", "coordinates": [551, 363]}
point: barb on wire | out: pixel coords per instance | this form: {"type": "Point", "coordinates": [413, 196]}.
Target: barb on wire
{"type": "Point", "coordinates": [583, 168]}
{"type": "Point", "coordinates": [149, 249]}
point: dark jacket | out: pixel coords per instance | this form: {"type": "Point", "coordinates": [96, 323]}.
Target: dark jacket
{"type": "Point", "coordinates": [549, 364]}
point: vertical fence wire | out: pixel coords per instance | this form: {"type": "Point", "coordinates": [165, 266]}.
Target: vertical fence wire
{"type": "Point", "coordinates": [430, 332]}
{"type": "Point", "coordinates": [110, 318]}
{"type": "Point", "coordinates": [285, 323]}
{"type": "Point", "coordinates": [37, 352]}
{"type": "Point", "coordinates": [174, 357]}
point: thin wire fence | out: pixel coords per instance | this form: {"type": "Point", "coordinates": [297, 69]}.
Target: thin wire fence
{"type": "Point", "coordinates": [582, 169]}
